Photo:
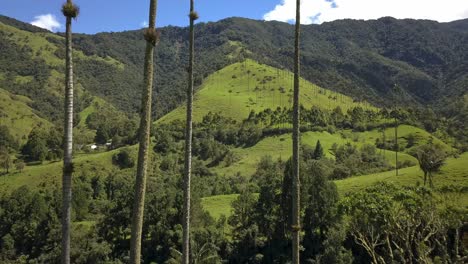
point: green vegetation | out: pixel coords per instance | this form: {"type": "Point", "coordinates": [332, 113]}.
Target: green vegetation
{"type": "Point", "coordinates": [219, 205]}
{"type": "Point", "coordinates": [241, 166]}
{"type": "Point", "coordinates": [18, 116]}
{"type": "Point", "coordinates": [49, 173]}
{"type": "Point", "coordinates": [279, 147]}
{"type": "Point", "coordinates": [454, 173]}
{"type": "Point", "coordinates": [248, 86]}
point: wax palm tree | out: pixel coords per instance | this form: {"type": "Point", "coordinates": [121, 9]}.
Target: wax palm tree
{"type": "Point", "coordinates": [70, 11]}
{"type": "Point", "coordinates": [431, 158]}
{"type": "Point", "coordinates": [296, 225]}
{"type": "Point", "coordinates": [188, 143]}
{"type": "Point", "coordinates": [151, 37]}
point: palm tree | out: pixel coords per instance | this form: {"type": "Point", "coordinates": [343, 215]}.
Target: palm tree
{"type": "Point", "coordinates": [431, 158]}
{"type": "Point", "coordinates": [70, 11]}
{"type": "Point", "coordinates": [188, 143]}
{"type": "Point", "coordinates": [395, 115]}
{"type": "Point", "coordinates": [151, 37]}
{"type": "Point", "coordinates": [296, 225]}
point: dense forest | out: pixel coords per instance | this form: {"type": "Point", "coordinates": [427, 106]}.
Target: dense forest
{"type": "Point", "coordinates": [382, 158]}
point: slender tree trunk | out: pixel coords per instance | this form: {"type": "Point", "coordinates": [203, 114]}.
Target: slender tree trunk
{"type": "Point", "coordinates": [396, 146]}
{"type": "Point", "coordinates": [296, 133]}
{"type": "Point", "coordinates": [395, 98]}
{"type": "Point", "coordinates": [144, 139]}
{"type": "Point", "coordinates": [67, 144]}
{"type": "Point", "coordinates": [430, 180]}
{"type": "Point", "coordinates": [188, 145]}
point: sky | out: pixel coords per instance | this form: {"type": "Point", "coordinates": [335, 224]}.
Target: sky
{"type": "Point", "coordinates": [119, 15]}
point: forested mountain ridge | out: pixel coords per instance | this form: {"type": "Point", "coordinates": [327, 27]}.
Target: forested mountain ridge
{"type": "Point", "coordinates": [363, 59]}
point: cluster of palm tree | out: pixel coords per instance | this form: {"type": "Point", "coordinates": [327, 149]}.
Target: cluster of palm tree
{"type": "Point", "coordinates": [71, 11]}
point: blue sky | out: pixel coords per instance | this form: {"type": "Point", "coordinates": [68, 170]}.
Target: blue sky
{"type": "Point", "coordinates": [98, 16]}
{"type": "Point", "coordinates": [131, 14]}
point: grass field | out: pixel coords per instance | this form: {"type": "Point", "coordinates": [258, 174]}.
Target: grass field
{"type": "Point", "coordinates": [404, 131]}
{"type": "Point", "coordinates": [455, 173]}
{"type": "Point", "coordinates": [44, 49]}
{"type": "Point", "coordinates": [91, 109]}
{"type": "Point", "coordinates": [280, 147]}
{"type": "Point", "coordinates": [234, 92]}
{"type": "Point", "coordinates": [18, 116]}
{"type": "Point", "coordinates": [49, 173]}
{"type": "Point", "coordinates": [219, 204]}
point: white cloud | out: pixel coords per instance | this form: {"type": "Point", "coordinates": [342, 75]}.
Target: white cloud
{"type": "Point", "coordinates": [144, 24]}
{"type": "Point", "coordinates": [47, 21]}
{"type": "Point", "coordinates": [318, 11]}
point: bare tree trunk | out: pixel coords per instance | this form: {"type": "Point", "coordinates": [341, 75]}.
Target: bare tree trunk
{"type": "Point", "coordinates": [67, 144]}
{"type": "Point", "coordinates": [188, 145]}
{"type": "Point", "coordinates": [396, 146]}
{"type": "Point", "coordinates": [296, 133]}
{"type": "Point", "coordinates": [430, 180]}
{"type": "Point", "coordinates": [144, 139]}
{"type": "Point", "coordinates": [395, 98]}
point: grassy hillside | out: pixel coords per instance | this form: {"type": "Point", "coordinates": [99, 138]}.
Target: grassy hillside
{"type": "Point", "coordinates": [93, 106]}
{"type": "Point", "coordinates": [454, 173]}
{"type": "Point", "coordinates": [280, 147]}
{"type": "Point", "coordinates": [49, 174]}
{"type": "Point", "coordinates": [32, 65]}
{"type": "Point", "coordinates": [32, 81]}
{"type": "Point", "coordinates": [44, 45]}
{"type": "Point", "coordinates": [219, 204]}
{"type": "Point", "coordinates": [247, 86]}
{"type": "Point", "coordinates": [18, 116]}
{"type": "Point", "coordinates": [420, 137]}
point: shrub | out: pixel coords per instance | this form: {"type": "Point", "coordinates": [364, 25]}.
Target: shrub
{"type": "Point", "coordinates": [123, 159]}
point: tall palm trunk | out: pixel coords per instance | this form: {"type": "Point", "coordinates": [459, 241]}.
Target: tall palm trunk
{"type": "Point", "coordinates": [144, 138]}
{"type": "Point", "coordinates": [296, 133]}
{"type": "Point", "coordinates": [70, 11]}
{"type": "Point", "coordinates": [396, 146]}
{"type": "Point", "coordinates": [395, 111]}
{"type": "Point", "coordinates": [188, 143]}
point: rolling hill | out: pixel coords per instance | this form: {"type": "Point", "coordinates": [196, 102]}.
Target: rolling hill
{"type": "Point", "coordinates": [232, 93]}
{"type": "Point", "coordinates": [362, 59]}
{"type": "Point", "coordinates": [425, 58]}
{"type": "Point", "coordinates": [18, 116]}
{"type": "Point", "coordinates": [454, 174]}
{"type": "Point", "coordinates": [242, 87]}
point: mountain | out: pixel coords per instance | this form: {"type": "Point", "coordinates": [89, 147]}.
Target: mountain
{"type": "Point", "coordinates": [242, 87]}
{"type": "Point", "coordinates": [364, 59]}
{"type": "Point", "coordinates": [427, 60]}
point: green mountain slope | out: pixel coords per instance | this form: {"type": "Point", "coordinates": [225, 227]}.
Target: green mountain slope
{"type": "Point", "coordinates": [280, 147]}
{"type": "Point", "coordinates": [32, 79]}
{"type": "Point", "coordinates": [32, 65]}
{"type": "Point", "coordinates": [16, 114]}
{"type": "Point", "coordinates": [242, 87]}
{"type": "Point", "coordinates": [362, 59]}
